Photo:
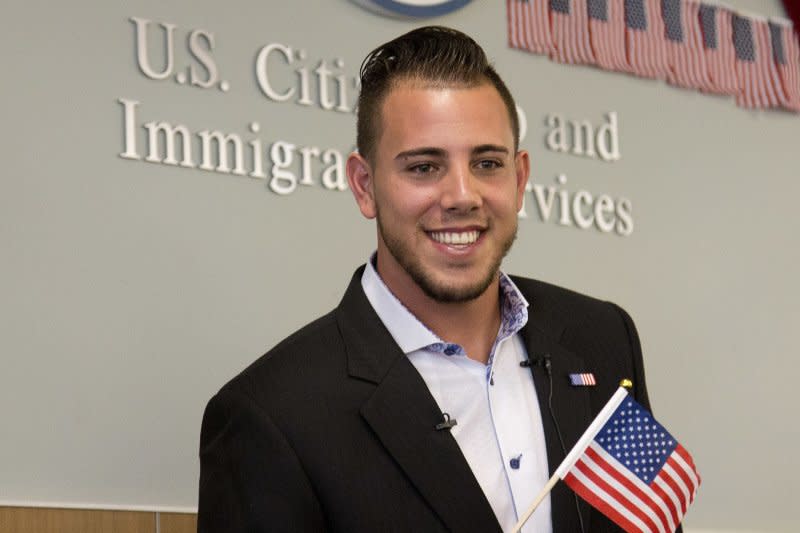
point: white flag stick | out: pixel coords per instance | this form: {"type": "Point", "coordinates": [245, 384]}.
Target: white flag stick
{"type": "Point", "coordinates": [576, 451]}
{"type": "Point", "coordinates": [545, 491]}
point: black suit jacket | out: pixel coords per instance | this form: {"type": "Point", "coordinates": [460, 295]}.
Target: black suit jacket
{"type": "Point", "coordinates": [333, 429]}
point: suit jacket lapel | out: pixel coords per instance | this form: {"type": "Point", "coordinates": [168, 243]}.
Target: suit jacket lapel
{"type": "Point", "coordinates": [402, 413]}
{"type": "Point", "coordinates": [571, 409]}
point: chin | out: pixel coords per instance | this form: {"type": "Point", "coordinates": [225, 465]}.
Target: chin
{"type": "Point", "coordinates": [452, 293]}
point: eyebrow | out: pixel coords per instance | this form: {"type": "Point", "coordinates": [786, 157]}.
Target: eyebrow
{"type": "Point", "coordinates": [438, 152]}
{"type": "Point", "coordinates": [425, 150]}
{"type": "Point", "coordinates": [483, 148]}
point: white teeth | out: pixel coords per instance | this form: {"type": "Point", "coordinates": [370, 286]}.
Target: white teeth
{"type": "Point", "coordinates": [460, 238]}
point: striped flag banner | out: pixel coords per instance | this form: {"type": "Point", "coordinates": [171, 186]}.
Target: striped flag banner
{"type": "Point", "coordinates": [529, 26]}
{"type": "Point", "coordinates": [786, 52]}
{"type": "Point", "coordinates": [716, 25]}
{"type": "Point", "coordinates": [644, 29]}
{"type": "Point", "coordinates": [759, 85]}
{"type": "Point", "coordinates": [631, 469]}
{"type": "Point", "coordinates": [570, 28]}
{"type": "Point", "coordinates": [607, 34]}
{"type": "Point", "coordinates": [684, 40]}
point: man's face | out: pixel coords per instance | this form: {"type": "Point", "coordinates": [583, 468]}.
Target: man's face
{"type": "Point", "coordinates": [445, 186]}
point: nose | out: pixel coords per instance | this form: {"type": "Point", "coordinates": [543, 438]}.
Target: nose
{"type": "Point", "coordinates": [460, 190]}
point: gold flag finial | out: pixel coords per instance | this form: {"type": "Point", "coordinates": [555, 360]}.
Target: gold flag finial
{"type": "Point", "coordinates": [628, 384]}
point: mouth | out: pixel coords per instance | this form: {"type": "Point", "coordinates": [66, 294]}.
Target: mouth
{"type": "Point", "coordinates": [456, 239]}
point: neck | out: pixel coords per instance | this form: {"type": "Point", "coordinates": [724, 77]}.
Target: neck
{"type": "Point", "coordinates": [472, 324]}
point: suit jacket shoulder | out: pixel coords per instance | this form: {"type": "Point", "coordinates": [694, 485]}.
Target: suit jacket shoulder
{"type": "Point", "coordinates": [598, 331]}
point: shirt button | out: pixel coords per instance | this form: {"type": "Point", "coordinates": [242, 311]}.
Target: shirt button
{"type": "Point", "coordinates": [514, 462]}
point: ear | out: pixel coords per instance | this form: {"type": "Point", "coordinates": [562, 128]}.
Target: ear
{"type": "Point", "coordinates": [360, 178]}
{"type": "Point", "coordinates": [522, 168]}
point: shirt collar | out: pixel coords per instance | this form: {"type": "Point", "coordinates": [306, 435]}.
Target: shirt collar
{"type": "Point", "coordinates": [411, 335]}
{"type": "Point", "coordinates": [513, 308]}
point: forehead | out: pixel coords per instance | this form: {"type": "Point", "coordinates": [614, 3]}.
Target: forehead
{"type": "Point", "coordinates": [415, 113]}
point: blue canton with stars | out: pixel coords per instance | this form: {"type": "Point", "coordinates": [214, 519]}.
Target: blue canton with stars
{"type": "Point", "coordinates": [636, 440]}
{"type": "Point", "coordinates": [635, 15]}
{"type": "Point", "coordinates": [743, 38]}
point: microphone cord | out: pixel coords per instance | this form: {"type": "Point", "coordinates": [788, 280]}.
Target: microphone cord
{"type": "Point", "coordinates": [549, 371]}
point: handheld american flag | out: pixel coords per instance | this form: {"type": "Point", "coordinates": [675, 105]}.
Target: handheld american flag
{"type": "Point", "coordinates": [630, 468]}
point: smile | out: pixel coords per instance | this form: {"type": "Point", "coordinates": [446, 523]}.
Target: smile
{"type": "Point", "coordinates": [453, 237]}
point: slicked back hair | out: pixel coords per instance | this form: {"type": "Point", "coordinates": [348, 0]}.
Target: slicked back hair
{"type": "Point", "coordinates": [434, 56]}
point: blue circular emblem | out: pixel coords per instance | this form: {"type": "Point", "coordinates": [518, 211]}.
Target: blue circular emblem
{"type": "Point", "coordinates": [413, 8]}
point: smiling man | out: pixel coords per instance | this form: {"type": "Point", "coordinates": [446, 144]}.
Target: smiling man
{"type": "Point", "coordinates": [437, 395]}
{"type": "Point", "coordinates": [445, 182]}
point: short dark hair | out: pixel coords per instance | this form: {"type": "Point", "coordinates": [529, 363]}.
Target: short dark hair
{"type": "Point", "coordinates": [433, 55]}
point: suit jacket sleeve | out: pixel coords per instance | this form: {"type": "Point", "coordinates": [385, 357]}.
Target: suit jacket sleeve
{"type": "Point", "coordinates": [250, 478]}
{"type": "Point", "coordinates": [639, 384]}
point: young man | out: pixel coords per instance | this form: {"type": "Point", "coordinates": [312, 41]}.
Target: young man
{"type": "Point", "coordinates": [436, 396]}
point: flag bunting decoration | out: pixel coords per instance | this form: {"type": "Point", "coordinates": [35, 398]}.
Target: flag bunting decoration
{"type": "Point", "coordinates": [632, 469]}
{"type": "Point", "coordinates": [786, 50]}
{"type": "Point", "coordinates": [693, 44]}
{"type": "Point", "coordinates": [687, 65]}
{"type": "Point", "coordinates": [754, 65]}
{"type": "Point", "coordinates": [715, 23]}
{"type": "Point", "coordinates": [529, 26]}
{"type": "Point", "coordinates": [570, 30]}
{"type": "Point", "coordinates": [607, 34]}
{"type": "Point", "coordinates": [646, 43]}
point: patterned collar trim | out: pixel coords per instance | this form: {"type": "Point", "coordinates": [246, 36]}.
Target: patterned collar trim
{"type": "Point", "coordinates": [513, 308]}
{"type": "Point", "coordinates": [411, 334]}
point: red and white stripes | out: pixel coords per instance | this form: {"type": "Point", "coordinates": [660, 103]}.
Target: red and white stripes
{"type": "Point", "coordinates": [529, 26]}
{"type": "Point", "coordinates": [608, 39]}
{"type": "Point", "coordinates": [647, 49]}
{"type": "Point", "coordinates": [657, 507]}
{"type": "Point", "coordinates": [721, 59]}
{"type": "Point", "coordinates": [757, 78]}
{"type": "Point", "coordinates": [789, 70]}
{"type": "Point", "coordinates": [571, 42]}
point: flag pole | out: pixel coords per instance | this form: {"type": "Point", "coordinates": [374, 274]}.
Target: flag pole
{"type": "Point", "coordinates": [577, 450]}
{"type": "Point", "coordinates": [544, 492]}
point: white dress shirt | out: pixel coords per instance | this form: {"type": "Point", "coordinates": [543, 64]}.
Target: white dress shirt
{"type": "Point", "coordinates": [499, 427]}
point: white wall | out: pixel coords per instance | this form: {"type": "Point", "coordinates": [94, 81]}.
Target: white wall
{"type": "Point", "coordinates": [131, 290]}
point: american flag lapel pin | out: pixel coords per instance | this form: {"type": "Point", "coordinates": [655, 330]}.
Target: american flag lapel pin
{"type": "Point", "coordinates": [585, 379]}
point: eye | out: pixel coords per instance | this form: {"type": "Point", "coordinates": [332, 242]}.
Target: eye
{"type": "Point", "coordinates": [489, 164]}
{"type": "Point", "coordinates": [422, 168]}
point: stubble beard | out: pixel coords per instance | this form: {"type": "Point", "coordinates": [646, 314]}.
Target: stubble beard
{"type": "Point", "coordinates": [441, 292]}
